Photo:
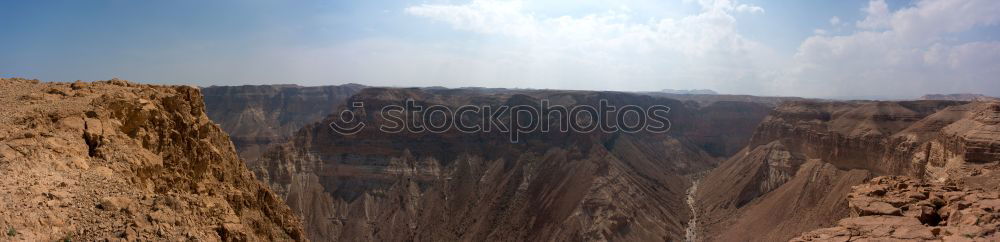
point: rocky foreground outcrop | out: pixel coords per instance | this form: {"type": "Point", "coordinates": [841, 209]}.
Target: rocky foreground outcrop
{"type": "Point", "coordinates": [904, 208]}
{"type": "Point", "coordinates": [123, 161]}
{"type": "Point", "coordinates": [803, 159]}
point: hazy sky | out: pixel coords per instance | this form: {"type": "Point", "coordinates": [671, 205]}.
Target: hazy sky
{"type": "Point", "coordinates": [854, 48]}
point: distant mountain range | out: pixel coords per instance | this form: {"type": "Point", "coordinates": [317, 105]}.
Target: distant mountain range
{"type": "Point", "coordinates": [691, 91]}
{"type": "Point", "coordinates": [958, 97]}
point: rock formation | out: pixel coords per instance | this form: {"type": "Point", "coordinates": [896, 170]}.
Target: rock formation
{"type": "Point", "coordinates": [479, 186]}
{"type": "Point", "coordinates": [118, 160]}
{"type": "Point", "coordinates": [904, 208]}
{"type": "Point", "coordinates": [257, 116]}
{"type": "Point", "coordinates": [767, 168]}
{"type": "Point", "coordinates": [760, 195]}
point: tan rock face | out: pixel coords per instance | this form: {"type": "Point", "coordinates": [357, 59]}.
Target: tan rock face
{"type": "Point", "coordinates": [930, 211]}
{"type": "Point", "coordinates": [118, 160]}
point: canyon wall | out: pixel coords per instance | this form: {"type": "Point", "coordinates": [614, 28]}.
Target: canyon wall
{"type": "Point", "coordinates": [257, 116]}
{"type": "Point", "coordinates": [796, 172]}
{"type": "Point", "coordinates": [479, 186]}
{"type": "Point", "coordinates": [782, 166]}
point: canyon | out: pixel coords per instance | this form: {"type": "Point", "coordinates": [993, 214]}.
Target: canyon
{"type": "Point", "coordinates": [480, 186]}
{"type": "Point", "coordinates": [769, 168]}
{"type": "Point", "coordinates": [500, 120]}
{"type": "Point", "coordinates": [117, 160]}
{"type": "Point", "coordinates": [256, 116]}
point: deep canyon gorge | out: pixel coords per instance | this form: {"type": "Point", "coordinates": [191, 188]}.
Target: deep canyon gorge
{"type": "Point", "coordinates": [121, 160]}
{"type": "Point", "coordinates": [770, 168]}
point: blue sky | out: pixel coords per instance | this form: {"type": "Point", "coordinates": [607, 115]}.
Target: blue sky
{"type": "Point", "coordinates": [853, 48]}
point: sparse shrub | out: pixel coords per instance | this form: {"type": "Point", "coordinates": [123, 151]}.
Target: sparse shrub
{"type": "Point", "coordinates": [11, 232]}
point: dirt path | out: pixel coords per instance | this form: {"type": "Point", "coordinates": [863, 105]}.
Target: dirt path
{"type": "Point", "coordinates": [690, 234]}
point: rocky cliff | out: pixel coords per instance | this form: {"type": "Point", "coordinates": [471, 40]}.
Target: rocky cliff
{"type": "Point", "coordinates": [479, 186]}
{"type": "Point", "coordinates": [903, 208]}
{"type": "Point", "coordinates": [798, 169]}
{"type": "Point", "coordinates": [257, 116]}
{"type": "Point", "coordinates": [119, 160]}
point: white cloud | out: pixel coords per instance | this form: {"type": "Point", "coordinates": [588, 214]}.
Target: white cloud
{"type": "Point", "coordinates": [878, 15]}
{"type": "Point", "coordinates": [692, 35]}
{"type": "Point", "coordinates": [929, 19]}
{"type": "Point", "coordinates": [907, 52]}
{"type": "Point", "coordinates": [611, 51]}
{"type": "Point", "coordinates": [727, 5]}
{"type": "Point", "coordinates": [903, 53]}
{"type": "Point", "coordinates": [749, 8]}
